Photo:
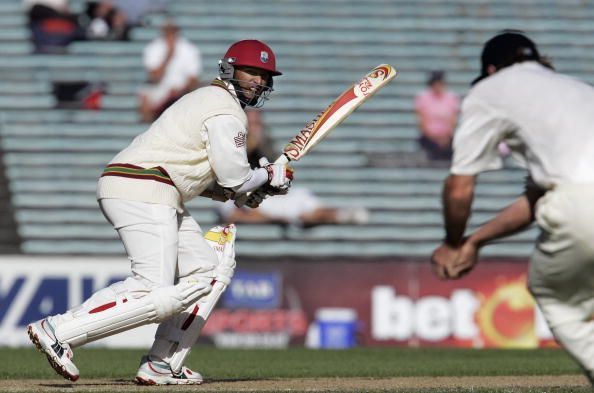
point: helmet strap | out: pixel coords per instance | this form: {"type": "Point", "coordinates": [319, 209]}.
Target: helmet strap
{"type": "Point", "coordinates": [255, 102]}
{"type": "Point", "coordinates": [239, 93]}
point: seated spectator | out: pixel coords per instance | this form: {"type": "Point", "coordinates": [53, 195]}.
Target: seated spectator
{"type": "Point", "coordinates": [437, 113]}
{"type": "Point", "coordinates": [258, 142]}
{"type": "Point", "coordinates": [299, 207]}
{"type": "Point", "coordinates": [107, 22]}
{"type": "Point", "coordinates": [173, 65]}
{"type": "Point", "coordinates": [81, 94]}
{"type": "Point", "coordinates": [136, 9]}
{"type": "Point", "coordinates": [52, 25]}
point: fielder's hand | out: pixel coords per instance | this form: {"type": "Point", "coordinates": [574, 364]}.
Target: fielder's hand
{"type": "Point", "coordinates": [442, 258]}
{"type": "Point", "coordinates": [451, 263]}
{"type": "Point", "coordinates": [467, 259]}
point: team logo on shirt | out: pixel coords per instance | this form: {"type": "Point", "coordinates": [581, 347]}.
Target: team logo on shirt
{"type": "Point", "coordinates": [264, 56]}
{"type": "Point", "coordinates": [240, 139]}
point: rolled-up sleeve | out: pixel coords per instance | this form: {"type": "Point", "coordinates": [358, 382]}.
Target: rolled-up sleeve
{"type": "Point", "coordinates": [226, 147]}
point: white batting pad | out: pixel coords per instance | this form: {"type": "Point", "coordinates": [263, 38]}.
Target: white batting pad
{"type": "Point", "coordinates": [176, 336]}
{"type": "Point", "coordinates": [120, 311]}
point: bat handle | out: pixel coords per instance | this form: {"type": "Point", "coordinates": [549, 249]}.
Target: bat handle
{"type": "Point", "coordinates": [283, 159]}
{"type": "Point", "coordinates": [241, 199]}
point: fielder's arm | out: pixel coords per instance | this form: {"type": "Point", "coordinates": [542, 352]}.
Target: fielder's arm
{"type": "Point", "coordinates": [455, 261]}
{"type": "Point", "coordinates": [458, 193]}
{"type": "Point", "coordinates": [514, 218]}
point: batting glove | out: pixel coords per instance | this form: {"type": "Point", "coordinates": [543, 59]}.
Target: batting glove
{"type": "Point", "coordinates": [280, 176]}
{"type": "Point", "coordinates": [256, 198]}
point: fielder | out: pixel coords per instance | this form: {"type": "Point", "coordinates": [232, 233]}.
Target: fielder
{"type": "Point", "coordinates": [196, 147]}
{"type": "Point", "coordinates": [547, 120]}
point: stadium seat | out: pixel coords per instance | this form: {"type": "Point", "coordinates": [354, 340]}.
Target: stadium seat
{"type": "Point", "coordinates": [53, 157]}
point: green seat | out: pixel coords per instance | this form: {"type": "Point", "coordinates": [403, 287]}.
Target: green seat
{"type": "Point", "coordinates": [53, 158]}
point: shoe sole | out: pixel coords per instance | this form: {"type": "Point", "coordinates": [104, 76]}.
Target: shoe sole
{"type": "Point", "coordinates": [144, 382]}
{"type": "Point", "coordinates": [60, 369]}
{"type": "Point", "coordinates": [151, 382]}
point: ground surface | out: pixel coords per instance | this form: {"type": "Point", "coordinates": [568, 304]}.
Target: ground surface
{"type": "Point", "coordinates": [299, 370]}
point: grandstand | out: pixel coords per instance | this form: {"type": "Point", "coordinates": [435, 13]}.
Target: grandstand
{"type": "Point", "coordinates": [9, 238]}
{"type": "Point", "coordinates": [53, 157]}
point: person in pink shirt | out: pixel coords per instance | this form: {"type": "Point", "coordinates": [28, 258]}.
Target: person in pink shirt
{"type": "Point", "coordinates": [437, 112]}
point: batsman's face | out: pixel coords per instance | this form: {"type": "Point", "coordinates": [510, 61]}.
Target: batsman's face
{"type": "Point", "coordinates": [251, 80]}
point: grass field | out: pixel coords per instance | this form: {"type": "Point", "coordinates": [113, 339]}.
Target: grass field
{"type": "Point", "coordinates": [370, 369]}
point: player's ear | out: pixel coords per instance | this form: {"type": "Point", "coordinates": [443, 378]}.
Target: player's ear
{"type": "Point", "coordinates": [491, 69]}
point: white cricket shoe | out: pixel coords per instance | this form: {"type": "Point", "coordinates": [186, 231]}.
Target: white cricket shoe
{"type": "Point", "coordinates": [152, 372]}
{"type": "Point", "coordinates": [58, 355]}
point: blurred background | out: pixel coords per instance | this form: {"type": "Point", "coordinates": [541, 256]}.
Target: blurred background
{"type": "Point", "coordinates": [350, 266]}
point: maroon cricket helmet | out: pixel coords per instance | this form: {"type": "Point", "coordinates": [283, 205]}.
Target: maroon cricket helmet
{"type": "Point", "coordinates": [252, 53]}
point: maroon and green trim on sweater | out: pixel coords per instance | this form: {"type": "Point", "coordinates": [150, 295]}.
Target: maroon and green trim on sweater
{"type": "Point", "coordinates": [136, 172]}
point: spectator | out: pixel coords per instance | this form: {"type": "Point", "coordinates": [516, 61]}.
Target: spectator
{"type": "Point", "coordinates": [107, 22]}
{"type": "Point", "coordinates": [437, 113]}
{"type": "Point", "coordinates": [258, 141]}
{"type": "Point", "coordinates": [173, 65]}
{"type": "Point", "coordinates": [52, 25]}
{"type": "Point", "coordinates": [136, 9]}
{"type": "Point", "coordinates": [300, 207]}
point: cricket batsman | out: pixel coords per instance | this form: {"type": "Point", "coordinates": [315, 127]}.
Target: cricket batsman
{"type": "Point", "coordinates": [196, 147]}
{"type": "Point", "coordinates": [547, 120]}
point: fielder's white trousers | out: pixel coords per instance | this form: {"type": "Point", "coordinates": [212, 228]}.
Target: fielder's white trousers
{"type": "Point", "coordinates": [561, 276]}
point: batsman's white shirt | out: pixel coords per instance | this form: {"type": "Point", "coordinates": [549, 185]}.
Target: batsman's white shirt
{"type": "Point", "coordinates": [545, 118]}
{"type": "Point", "coordinates": [198, 140]}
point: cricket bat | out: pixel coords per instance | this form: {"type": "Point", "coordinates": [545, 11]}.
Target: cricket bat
{"type": "Point", "coordinates": [321, 126]}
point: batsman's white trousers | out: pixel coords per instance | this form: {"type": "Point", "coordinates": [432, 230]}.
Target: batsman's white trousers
{"type": "Point", "coordinates": [561, 274]}
{"type": "Point", "coordinates": [170, 261]}
{"type": "Point", "coordinates": [162, 244]}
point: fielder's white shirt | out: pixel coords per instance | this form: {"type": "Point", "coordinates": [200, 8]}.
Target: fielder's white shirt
{"type": "Point", "coordinates": [547, 120]}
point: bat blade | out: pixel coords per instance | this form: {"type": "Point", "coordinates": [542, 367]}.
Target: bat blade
{"type": "Point", "coordinates": [321, 126]}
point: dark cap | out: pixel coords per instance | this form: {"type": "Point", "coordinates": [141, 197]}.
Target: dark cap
{"type": "Point", "coordinates": [505, 49]}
